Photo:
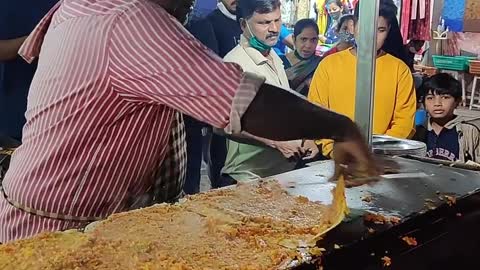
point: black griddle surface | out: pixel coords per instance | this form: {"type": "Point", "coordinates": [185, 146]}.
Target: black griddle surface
{"type": "Point", "coordinates": [445, 234]}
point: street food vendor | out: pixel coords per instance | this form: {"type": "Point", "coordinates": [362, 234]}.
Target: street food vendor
{"type": "Point", "coordinates": [103, 134]}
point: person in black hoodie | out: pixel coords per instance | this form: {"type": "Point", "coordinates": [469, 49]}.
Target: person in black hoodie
{"type": "Point", "coordinates": [220, 32]}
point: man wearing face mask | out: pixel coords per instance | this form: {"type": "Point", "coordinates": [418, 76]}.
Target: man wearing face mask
{"type": "Point", "coordinates": [261, 24]}
{"type": "Point", "coordinates": [104, 116]}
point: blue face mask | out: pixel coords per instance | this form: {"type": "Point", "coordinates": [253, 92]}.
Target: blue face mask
{"type": "Point", "coordinates": [256, 43]}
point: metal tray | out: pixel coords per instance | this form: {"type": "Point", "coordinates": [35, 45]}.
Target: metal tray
{"type": "Point", "coordinates": [396, 147]}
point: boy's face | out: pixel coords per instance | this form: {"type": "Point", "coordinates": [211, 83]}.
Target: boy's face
{"type": "Point", "coordinates": [440, 106]}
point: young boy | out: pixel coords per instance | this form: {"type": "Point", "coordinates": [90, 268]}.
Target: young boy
{"type": "Point", "coordinates": [448, 136]}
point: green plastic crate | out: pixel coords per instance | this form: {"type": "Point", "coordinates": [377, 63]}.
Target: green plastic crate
{"type": "Point", "coordinates": [459, 63]}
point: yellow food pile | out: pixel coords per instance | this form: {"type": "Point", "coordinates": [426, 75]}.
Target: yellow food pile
{"type": "Point", "coordinates": [253, 226]}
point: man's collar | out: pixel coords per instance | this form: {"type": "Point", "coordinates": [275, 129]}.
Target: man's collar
{"type": "Point", "coordinates": [225, 11]}
{"type": "Point", "coordinates": [451, 124]}
{"type": "Point", "coordinates": [257, 57]}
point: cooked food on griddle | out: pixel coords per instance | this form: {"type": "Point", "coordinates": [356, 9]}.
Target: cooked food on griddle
{"type": "Point", "coordinates": [411, 241]}
{"type": "Point", "coordinates": [380, 219]}
{"type": "Point", "coordinates": [386, 261]}
{"type": "Point", "coordinates": [253, 226]}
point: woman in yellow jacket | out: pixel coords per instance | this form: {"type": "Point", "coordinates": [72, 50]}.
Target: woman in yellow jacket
{"type": "Point", "coordinates": [333, 87]}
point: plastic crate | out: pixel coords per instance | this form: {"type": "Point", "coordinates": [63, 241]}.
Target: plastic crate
{"type": "Point", "coordinates": [475, 67]}
{"type": "Point", "coordinates": [459, 63]}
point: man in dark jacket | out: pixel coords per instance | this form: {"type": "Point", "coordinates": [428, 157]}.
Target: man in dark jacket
{"type": "Point", "coordinates": [220, 32]}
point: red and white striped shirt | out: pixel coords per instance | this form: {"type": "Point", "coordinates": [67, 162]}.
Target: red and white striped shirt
{"type": "Point", "coordinates": [111, 73]}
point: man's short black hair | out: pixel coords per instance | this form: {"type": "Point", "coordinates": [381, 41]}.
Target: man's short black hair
{"type": "Point", "coordinates": [305, 23]}
{"type": "Point", "coordinates": [441, 84]}
{"type": "Point", "coordinates": [246, 8]}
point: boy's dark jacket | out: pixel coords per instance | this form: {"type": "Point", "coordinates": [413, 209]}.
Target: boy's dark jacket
{"type": "Point", "coordinates": [468, 137]}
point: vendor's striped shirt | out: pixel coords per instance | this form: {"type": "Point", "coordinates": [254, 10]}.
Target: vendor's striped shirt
{"type": "Point", "coordinates": [111, 74]}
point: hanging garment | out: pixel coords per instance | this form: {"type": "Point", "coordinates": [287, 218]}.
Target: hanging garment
{"type": "Point", "coordinates": [420, 29]}
{"type": "Point", "coordinates": [288, 12]}
{"type": "Point", "coordinates": [451, 48]}
{"type": "Point", "coordinates": [453, 14]}
{"type": "Point", "coordinates": [303, 9]}
{"type": "Point", "coordinates": [405, 19]}
{"type": "Point", "coordinates": [418, 8]}
{"type": "Point", "coordinates": [354, 4]}
{"type": "Point", "coordinates": [472, 16]}
{"type": "Point", "coordinates": [322, 18]}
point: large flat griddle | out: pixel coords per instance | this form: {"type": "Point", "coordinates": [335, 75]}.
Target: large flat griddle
{"type": "Point", "coordinates": [445, 233]}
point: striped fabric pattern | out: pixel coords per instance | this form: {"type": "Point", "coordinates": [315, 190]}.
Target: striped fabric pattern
{"type": "Point", "coordinates": [111, 75]}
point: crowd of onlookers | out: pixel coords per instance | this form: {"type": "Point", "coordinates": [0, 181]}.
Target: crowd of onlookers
{"type": "Point", "coordinates": [251, 34]}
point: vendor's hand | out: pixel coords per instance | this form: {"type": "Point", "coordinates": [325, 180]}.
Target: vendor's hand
{"type": "Point", "coordinates": [310, 150]}
{"type": "Point", "coordinates": [352, 157]}
{"type": "Point", "coordinates": [290, 149]}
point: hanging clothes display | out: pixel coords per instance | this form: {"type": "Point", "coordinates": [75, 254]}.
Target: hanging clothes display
{"type": "Point", "coordinates": [472, 16]}
{"type": "Point", "coordinates": [418, 9]}
{"type": "Point", "coordinates": [452, 48]}
{"type": "Point", "coordinates": [453, 14]}
{"type": "Point", "coordinates": [303, 9]}
{"type": "Point", "coordinates": [354, 4]}
{"type": "Point", "coordinates": [420, 29]}
{"type": "Point", "coordinates": [322, 18]}
{"type": "Point", "coordinates": [405, 19]}
{"type": "Point", "coordinates": [288, 12]}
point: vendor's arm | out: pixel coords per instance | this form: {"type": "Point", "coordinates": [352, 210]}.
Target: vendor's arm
{"type": "Point", "coordinates": [245, 138]}
{"type": "Point", "coordinates": [403, 123]}
{"type": "Point", "coordinates": [9, 48]}
{"type": "Point", "coordinates": [174, 69]}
